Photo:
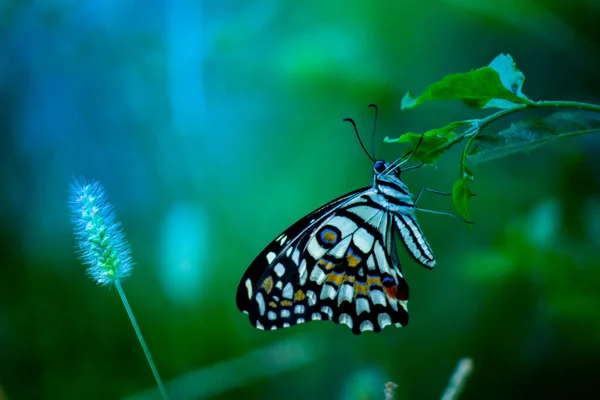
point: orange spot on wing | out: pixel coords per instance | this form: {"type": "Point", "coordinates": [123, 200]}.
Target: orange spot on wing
{"type": "Point", "coordinates": [330, 237]}
{"type": "Point", "coordinates": [391, 291]}
{"type": "Point", "coordinates": [335, 278]}
{"type": "Point", "coordinates": [299, 296]}
{"type": "Point", "coordinates": [361, 288]}
{"type": "Point", "coordinates": [267, 284]}
{"type": "Point", "coordinates": [273, 304]}
{"type": "Point", "coordinates": [373, 281]}
{"type": "Point", "coordinates": [286, 303]}
{"type": "Point", "coordinates": [353, 259]}
{"type": "Point", "coordinates": [326, 264]}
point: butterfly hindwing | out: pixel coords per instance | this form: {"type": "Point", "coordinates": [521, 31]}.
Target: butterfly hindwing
{"type": "Point", "coordinates": [337, 263]}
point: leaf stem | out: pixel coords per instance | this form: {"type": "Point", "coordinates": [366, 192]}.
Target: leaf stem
{"type": "Point", "coordinates": [138, 333]}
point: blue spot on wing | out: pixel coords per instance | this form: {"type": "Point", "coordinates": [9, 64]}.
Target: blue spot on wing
{"type": "Point", "coordinates": [388, 281]}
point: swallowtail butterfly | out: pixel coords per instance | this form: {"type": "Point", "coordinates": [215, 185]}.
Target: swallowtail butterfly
{"type": "Point", "coordinates": [340, 262]}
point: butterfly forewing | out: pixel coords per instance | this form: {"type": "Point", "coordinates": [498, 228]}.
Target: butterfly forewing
{"type": "Point", "coordinates": [340, 263]}
{"type": "Point", "coordinates": [264, 262]}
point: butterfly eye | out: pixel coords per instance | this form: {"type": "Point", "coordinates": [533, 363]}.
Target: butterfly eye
{"type": "Point", "coordinates": [379, 166]}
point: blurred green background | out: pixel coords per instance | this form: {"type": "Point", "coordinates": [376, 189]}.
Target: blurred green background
{"type": "Point", "coordinates": [215, 125]}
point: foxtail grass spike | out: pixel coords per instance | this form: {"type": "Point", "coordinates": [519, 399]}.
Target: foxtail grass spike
{"type": "Point", "coordinates": [104, 249]}
{"type": "Point", "coordinates": [100, 239]}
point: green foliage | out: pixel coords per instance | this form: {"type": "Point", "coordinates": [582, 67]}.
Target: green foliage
{"type": "Point", "coordinates": [496, 86]}
{"type": "Point", "coordinates": [434, 142]}
{"type": "Point", "coordinates": [529, 133]}
{"type": "Point", "coordinates": [499, 85]}
{"type": "Point", "coordinates": [538, 246]}
{"type": "Point", "coordinates": [461, 195]}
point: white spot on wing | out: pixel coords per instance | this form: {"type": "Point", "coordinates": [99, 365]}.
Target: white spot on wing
{"type": "Point", "coordinates": [312, 297]}
{"type": "Point", "coordinates": [259, 325]}
{"type": "Point", "coordinates": [377, 297]}
{"type": "Point", "coordinates": [346, 293]}
{"type": "Point", "coordinates": [281, 239]}
{"type": "Point", "coordinates": [363, 240]}
{"type": "Point", "coordinates": [345, 225]}
{"type": "Point", "coordinates": [327, 292]}
{"type": "Point", "coordinates": [285, 313]}
{"type": "Point", "coordinates": [365, 212]}
{"type": "Point", "coordinates": [327, 310]}
{"type": "Point", "coordinates": [300, 321]}
{"type": "Point", "coordinates": [366, 326]}
{"type": "Point", "coordinates": [316, 316]}
{"type": "Point", "coordinates": [302, 272]}
{"type": "Point", "coordinates": [278, 285]}
{"type": "Point", "coordinates": [271, 315]}
{"type": "Point", "coordinates": [381, 259]}
{"type": "Point", "coordinates": [315, 249]}
{"type": "Point", "coordinates": [346, 319]}
{"type": "Point", "coordinates": [270, 257]}
{"type": "Point", "coordinates": [384, 320]}
{"type": "Point", "coordinates": [403, 304]}
{"type": "Point", "coordinates": [279, 269]}
{"type": "Point", "coordinates": [261, 303]}
{"type": "Point", "coordinates": [299, 309]}
{"type": "Point", "coordinates": [296, 257]}
{"type": "Point", "coordinates": [371, 262]}
{"type": "Point", "coordinates": [249, 287]}
{"type": "Point", "coordinates": [288, 291]}
{"type": "Point", "coordinates": [318, 276]}
{"type": "Point", "coordinates": [362, 305]}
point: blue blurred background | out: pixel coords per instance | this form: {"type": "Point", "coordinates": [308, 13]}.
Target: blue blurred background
{"type": "Point", "coordinates": [215, 125]}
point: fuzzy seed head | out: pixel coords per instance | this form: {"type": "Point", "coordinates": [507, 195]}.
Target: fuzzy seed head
{"type": "Point", "coordinates": [100, 240]}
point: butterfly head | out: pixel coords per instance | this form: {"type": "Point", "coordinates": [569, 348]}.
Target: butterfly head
{"type": "Point", "coordinates": [388, 182]}
{"type": "Point", "coordinates": [383, 170]}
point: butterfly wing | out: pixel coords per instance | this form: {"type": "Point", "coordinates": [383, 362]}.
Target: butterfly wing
{"type": "Point", "coordinates": [337, 263]}
{"type": "Point", "coordinates": [264, 261]}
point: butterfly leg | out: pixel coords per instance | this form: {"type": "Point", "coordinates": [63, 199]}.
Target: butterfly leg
{"type": "Point", "coordinates": [439, 212]}
{"type": "Point", "coordinates": [445, 213]}
{"type": "Point", "coordinates": [418, 196]}
{"type": "Point", "coordinates": [431, 191]}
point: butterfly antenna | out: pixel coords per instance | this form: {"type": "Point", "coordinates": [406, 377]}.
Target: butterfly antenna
{"type": "Point", "coordinates": [374, 128]}
{"type": "Point", "coordinates": [358, 136]}
{"type": "Point", "coordinates": [412, 152]}
{"type": "Point", "coordinates": [409, 155]}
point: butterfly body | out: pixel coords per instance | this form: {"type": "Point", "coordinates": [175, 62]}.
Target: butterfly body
{"type": "Point", "coordinates": [340, 262]}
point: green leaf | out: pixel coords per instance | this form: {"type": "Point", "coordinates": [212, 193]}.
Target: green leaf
{"type": "Point", "coordinates": [497, 85]}
{"type": "Point", "coordinates": [434, 141]}
{"type": "Point", "coordinates": [461, 194]}
{"type": "Point", "coordinates": [529, 133]}
{"type": "Point", "coordinates": [510, 76]}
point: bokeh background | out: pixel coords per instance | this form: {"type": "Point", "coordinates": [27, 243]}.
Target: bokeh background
{"type": "Point", "coordinates": [215, 125]}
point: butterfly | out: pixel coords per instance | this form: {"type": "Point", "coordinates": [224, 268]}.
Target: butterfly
{"type": "Point", "coordinates": [340, 262]}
